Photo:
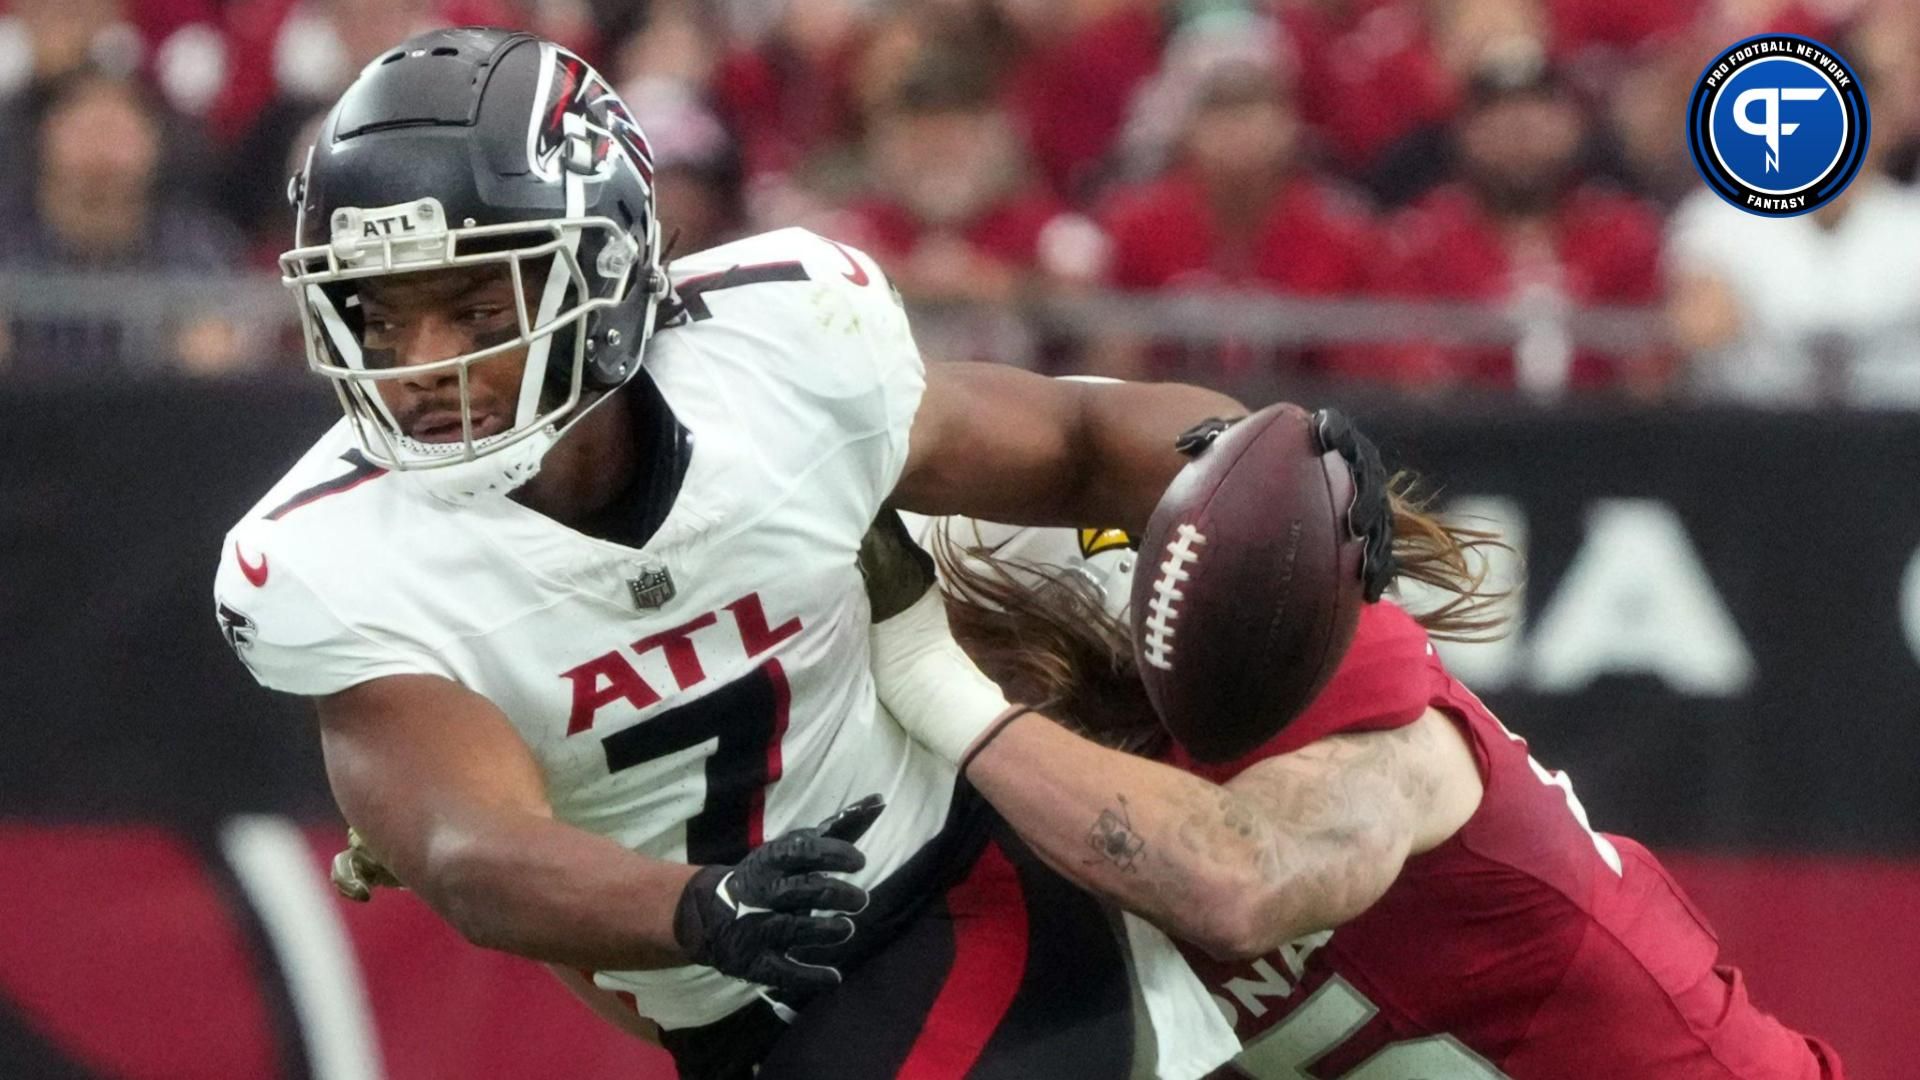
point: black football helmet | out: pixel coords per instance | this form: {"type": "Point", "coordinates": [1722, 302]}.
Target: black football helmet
{"type": "Point", "coordinates": [481, 146]}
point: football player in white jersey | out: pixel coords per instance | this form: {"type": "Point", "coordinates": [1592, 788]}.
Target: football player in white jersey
{"type": "Point", "coordinates": [578, 602]}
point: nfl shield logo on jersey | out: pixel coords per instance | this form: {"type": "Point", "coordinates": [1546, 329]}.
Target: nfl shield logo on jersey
{"type": "Point", "coordinates": [652, 587]}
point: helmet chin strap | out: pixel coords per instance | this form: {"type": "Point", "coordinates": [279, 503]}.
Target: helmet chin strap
{"type": "Point", "coordinates": [501, 472]}
{"type": "Point", "coordinates": [491, 475]}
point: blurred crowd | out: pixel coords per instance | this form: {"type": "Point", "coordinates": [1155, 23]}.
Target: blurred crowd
{"type": "Point", "coordinates": [998, 156]}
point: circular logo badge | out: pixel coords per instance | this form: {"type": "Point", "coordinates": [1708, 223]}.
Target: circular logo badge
{"type": "Point", "coordinates": [1778, 125]}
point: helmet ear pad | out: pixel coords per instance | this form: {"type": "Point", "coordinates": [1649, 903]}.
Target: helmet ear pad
{"type": "Point", "coordinates": [614, 335]}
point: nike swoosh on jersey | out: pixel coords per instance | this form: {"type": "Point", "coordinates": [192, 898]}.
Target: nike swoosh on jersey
{"type": "Point", "coordinates": [256, 575]}
{"type": "Point", "coordinates": [859, 275]}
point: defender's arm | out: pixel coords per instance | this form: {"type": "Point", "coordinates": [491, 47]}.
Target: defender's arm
{"type": "Point", "coordinates": [1298, 843]}
{"type": "Point", "coordinates": [446, 791]}
{"type": "Point", "coordinates": [999, 443]}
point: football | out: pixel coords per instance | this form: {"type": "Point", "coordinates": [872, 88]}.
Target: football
{"type": "Point", "coordinates": [1248, 586]}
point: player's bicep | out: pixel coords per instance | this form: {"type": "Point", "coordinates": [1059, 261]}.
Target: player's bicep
{"type": "Point", "coordinates": [987, 436]}
{"type": "Point", "coordinates": [419, 763]}
{"type": "Point", "coordinates": [1346, 811]}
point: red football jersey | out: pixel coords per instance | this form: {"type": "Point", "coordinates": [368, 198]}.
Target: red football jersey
{"type": "Point", "coordinates": [1526, 946]}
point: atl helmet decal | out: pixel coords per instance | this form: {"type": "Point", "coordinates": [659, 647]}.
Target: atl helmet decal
{"type": "Point", "coordinates": [574, 89]}
{"type": "Point", "coordinates": [1778, 125]}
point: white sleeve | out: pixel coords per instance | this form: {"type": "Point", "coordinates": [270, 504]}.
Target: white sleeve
{"type": "Point", "coordinates": [288, 636]}
{"type": "Point", "coordinates": [893, 369]}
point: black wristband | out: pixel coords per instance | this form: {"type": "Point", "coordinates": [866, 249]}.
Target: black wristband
{"type": "Point", "coordinates": [999, 725]}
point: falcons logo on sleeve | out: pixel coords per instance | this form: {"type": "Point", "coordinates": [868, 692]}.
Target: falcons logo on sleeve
{"type": "Point", "coordinates": [237, 628]}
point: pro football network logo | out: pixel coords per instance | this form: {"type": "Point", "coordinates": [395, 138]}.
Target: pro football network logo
{"type": "Point", "coordinates": [1778, 125]}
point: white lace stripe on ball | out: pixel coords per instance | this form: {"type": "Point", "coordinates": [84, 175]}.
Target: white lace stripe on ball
{"type": "Point", "coordinates": [1165, 606]}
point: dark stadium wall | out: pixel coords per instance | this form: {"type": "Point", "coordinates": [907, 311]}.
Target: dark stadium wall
{"type": "Point", "coordinates": [1720, 642]}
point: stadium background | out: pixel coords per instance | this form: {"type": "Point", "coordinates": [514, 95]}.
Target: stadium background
{"type": "Point", "coordinates": [1470, 221]}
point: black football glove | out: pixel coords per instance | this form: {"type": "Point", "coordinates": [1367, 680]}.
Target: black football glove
{"type": "Point", "coordinates": [1370, 517]}
{"type": "Point", "coordinates": [742, 920]}
{"type": "Point", "coordinates": [1194, 441]}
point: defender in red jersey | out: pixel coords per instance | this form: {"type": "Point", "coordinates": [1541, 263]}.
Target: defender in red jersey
{"type": "Point", "coordinates": [1523, 945]}
{"type": "Point", "coordinates": [1391, 888]}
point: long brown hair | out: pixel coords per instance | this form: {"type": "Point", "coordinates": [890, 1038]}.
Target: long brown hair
{"type": "Point", "coordinates": [1044, 633]}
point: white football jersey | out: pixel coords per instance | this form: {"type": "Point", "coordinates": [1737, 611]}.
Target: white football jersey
{"type": "Point", "coordinates": [686, 699]}
{"type": "Point", "coordinates": [711, 689]}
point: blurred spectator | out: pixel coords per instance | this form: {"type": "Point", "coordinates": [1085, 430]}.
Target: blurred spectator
{"type": "Point", "coordinates": [1470, 34]}
{"type": "Point", "coordinates": [698, 181]}
{"type": "Point", "coordinates": [1467, 38]}
{"type": "Point", "coordinates": [45, 44]}
{"type": "Point", "coordinates": [321, 46]}
{"type": "Point", "coordinates": [98, 205]}
{"type": "Point", "coordinates": [956, 215]}
{"type": "Point", "coordinates": [1369, 74]}
{"type": "Point", "coordinates": [791, 94]}
{"type": "Point", "coordinates": [1083, 62]}
{"type": "Point", "coordinates": [310, 49]}
{"type": "Point", "coordinates": [1522, 231]}
{"type": "Point", "coordinates": [1824, 307]}
{"type": "Point", "coordinates": [1886, 47]}
{"type": "Point", "coordinates": [1237, 210]}
{"type": "Point", "coordinates": [675, 42]}
{"type": "Point", "coordinates": [1649, 93]}
{"type": "Point", "coordinates": [41, 40]}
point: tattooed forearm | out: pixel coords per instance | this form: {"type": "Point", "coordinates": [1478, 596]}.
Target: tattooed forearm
{"type": "Point", "coordinates": [1194, 833]}
{"type": "Point", "coordinates": [1294, 844]}
{"type": "Point", "coordinates": [1341, 813]}
{"type": "Point", "coordinates": [1114, 838]}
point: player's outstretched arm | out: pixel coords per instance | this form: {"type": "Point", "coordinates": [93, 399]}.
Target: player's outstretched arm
{"type": "Point", "coordinates": [1303, 842]}
{"type": "Point", "coordinates": [443, 787]}
{"type": "Point", "coordinates": [995, 442]}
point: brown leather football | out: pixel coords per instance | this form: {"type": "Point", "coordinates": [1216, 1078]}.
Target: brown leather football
{"type": "Point", "coordinates": [1248, 586]}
